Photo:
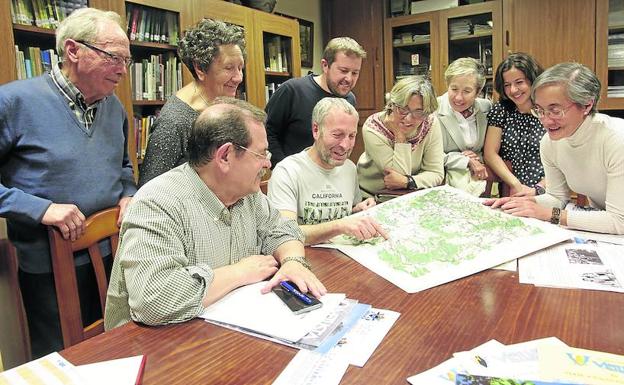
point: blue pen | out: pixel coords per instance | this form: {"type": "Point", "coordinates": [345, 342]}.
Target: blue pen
{"type": "Point", "coordinates": [289, 288]}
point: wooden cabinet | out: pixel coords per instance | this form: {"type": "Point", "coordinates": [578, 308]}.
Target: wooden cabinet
{"type": "Point", "coordinates": [552, 31]}
{"type": "Point", "coordinates": [427, 43]}
{"type": "Point", "coordinates": [610, 53]}
{"type": "Point", "coordinates": [412, 47]}
{"type": "Point", "coordinates": [472, 31]}
{"type": "Point", "coordinates": [276, 39]}
{"type": "Point", "coordinates": [362, 20]}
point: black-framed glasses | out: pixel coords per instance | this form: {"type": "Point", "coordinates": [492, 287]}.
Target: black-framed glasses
{"type": "Point", "coordinates": [556, 112]}
{"type": "Point", "coordinates": [266, 156]}
{"type": "Point", "coordinates": [110, 58]}
{"type": "Point", "coordinates": [416, 114]}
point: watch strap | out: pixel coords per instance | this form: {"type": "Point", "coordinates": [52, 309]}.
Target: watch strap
{"type": "Point", "coordinates": [555, 217]}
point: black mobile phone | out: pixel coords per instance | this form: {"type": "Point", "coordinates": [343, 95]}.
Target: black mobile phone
{"type": "Point", "coordinates": [296, 305]}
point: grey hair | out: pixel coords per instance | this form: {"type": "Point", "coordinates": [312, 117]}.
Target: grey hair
{"type": "Point", "coordinates": [466, 66]}
{"type": "Point", "coordinates": [405, 88]}
{"type": "Point", "coordinates": [200, 44]}
{"type": "Point", "coordinates": [581, 84]}
{"type": "Point", "coordinates": [327, 105]}
{"type": "Point", "coordinates": [84, 24]}
{"type": "Point", "coordinates": [224, 121]}
{"type": "Point", "coordinates": [347, 45]}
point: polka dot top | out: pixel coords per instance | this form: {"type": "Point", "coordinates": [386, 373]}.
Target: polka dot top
{"type": "Point", "coordinates": [520, 142]}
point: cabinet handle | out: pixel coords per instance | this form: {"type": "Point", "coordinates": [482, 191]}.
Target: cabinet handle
{"type": "Point", "coordinates": [507, 38]}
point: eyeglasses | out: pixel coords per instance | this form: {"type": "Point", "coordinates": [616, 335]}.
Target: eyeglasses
{"type": "Point", "coordinates": [553, 112]}
{"type": "Point", "coordinates": [416, 114]}
{"type": "Point", "coordinates": [109, 57]}
{"type": "Point", "coordinates": [266, 156]}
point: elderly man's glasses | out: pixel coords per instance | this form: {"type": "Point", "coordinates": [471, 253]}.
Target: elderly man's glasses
{"type": "Point", "coordinates": [110, 58]}
{"type": "Point", "coordinates": [266, 156]}
{"type": "Point", "coordinates": [556, 112]}
{"type": "Point", "coordinates": [416, 114]}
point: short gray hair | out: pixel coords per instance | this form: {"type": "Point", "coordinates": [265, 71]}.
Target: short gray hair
{"type": "Point", "coordinates": [466, 66]}
{"type": "Point", "coordinates": [346, 45]}
{"type": "Point", "coordinates": [84, 24]}
{"type": "Point", "coordinates": [405, 88]}
{"type": "Point", "coordinates": [327, 105]}
{"type": "Point", "coordinates": [200, 44]}
{"type": "Point", "coordinates": [579, 82]}
{"type": "Point", "coordinates": [224, 121]}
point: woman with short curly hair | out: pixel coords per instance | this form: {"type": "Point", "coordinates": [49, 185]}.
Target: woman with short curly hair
{"type": "Point", "coordinates": [214, 53]}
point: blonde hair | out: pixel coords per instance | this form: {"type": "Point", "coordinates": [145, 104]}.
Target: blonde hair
{"type": "Point", "coordinates": [84, 24]}
{"type": "Point", "coordinates": [466, 66]}
{"type": "Point", "coordinates": [405, 88]}
{"type": "Point", "coordinates": [346, 45]}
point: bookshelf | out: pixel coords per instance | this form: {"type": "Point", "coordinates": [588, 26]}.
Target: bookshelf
{"type": "Point", "coordinates": [156, 73]}
{"type": "Point", "coordinates": [278, 58]}
{"type": "Point", "coordinates": [610, 54]}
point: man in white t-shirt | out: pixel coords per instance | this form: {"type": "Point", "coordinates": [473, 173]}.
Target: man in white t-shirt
{"type": "Point", "coordinates": [318, 186]}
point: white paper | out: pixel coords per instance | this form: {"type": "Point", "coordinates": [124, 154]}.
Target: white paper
{"type": "Point", "coordinates": [52, 369]}
{"type": "Point", "coordinates": [360, 342]}
{"type": "Point", "coordinates": [442, 234]}
{"type": "Point", "coordinates": [122, 371]}
{"type": "Point", "coordinates": [593, 266]}
{"type": "Point", "coordinates": [247, 307]}
{"type": "Point", "coordinates": [512, 361]}
{"type": "Point", "coordinates": [311, 368]}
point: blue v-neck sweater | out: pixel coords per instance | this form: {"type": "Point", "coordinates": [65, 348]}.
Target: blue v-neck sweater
{"type": "Point", "coordinates": [47, 156]}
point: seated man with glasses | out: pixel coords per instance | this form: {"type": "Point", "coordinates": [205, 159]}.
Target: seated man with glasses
{"type": "Point", "coordinates": [403, 143]}
{"type": "Point", "coordinates": [202, 229]}
{"type": "Point", "coordinates": [582, 152]}
{"type": "Point", "coordinates": [63, 141]}
{"type": "Point", "coordinates": [318, 186]}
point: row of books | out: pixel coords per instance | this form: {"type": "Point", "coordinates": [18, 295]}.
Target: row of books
{"type": "Point", "coordinates": [275, 54]}
{"type": "Point", "coordinates": [152, 25]}
{"type": "Point", "coordinates": [43, 13]}
{"type": "Point", "coordinates": [33, 61]}
{"type": "Point", "coordinates": [142, 129]}
{"type": "Point", "coordinates": [156, 78]}
{"type": "Point", "coordinates": [269, 90]}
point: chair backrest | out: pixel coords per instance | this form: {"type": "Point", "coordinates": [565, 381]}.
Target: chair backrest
{"type": "Point", "coordinates": [503, 188]}
{"type": "Point", "coordinates": [98, 226]}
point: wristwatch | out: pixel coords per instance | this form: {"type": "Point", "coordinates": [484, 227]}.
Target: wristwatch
{"type": "Point", "coordinates": [555, 217]}
{"type": "Point", "coordinates": [411, 183]}
{"type": "Point", "coordinates": [539, 189]}
{"type": "Point", "coordinates": [299, 258]}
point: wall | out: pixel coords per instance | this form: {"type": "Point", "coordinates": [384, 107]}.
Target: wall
{"type": "Point", "coordinates": [309, 10]}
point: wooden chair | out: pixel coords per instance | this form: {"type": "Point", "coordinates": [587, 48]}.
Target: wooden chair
{"type": "Point", "coordinates": [14, 338]}
{"type": "Point", "coordinates": [503, 188]}
{"type": "Point", "coordinates": [98, 226]}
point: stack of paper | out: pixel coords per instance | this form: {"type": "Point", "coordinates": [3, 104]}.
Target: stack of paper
{"type": "Point", "coordinates": [543, 361]}
{"type": "Point", "coordinates": [326, 366]}
{"type": "Point", "coordinates": [582, 263]}
{"type": "Point", "coordinates": [53, 369]}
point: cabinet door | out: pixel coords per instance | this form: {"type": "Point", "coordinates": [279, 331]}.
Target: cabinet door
{"type": "Point", "coordinates": [363, 21]}
{"type": "Point", "coordinates": [412, 48]}
{"type": "Point", "coordinates": [553, 31]}
{"type": "Point", "coordinates": [610, 52]}
{"type": "Point", "coordinates": [277, 56]}
{"type": "Point", "coordinates": [472, 31]}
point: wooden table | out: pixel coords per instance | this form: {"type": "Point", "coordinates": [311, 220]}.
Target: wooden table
{"type": "Point", "coordinates": [433, 324]}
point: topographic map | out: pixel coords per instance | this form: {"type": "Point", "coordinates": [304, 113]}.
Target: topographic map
{"type": "Point", "coordinates": [441, 234]}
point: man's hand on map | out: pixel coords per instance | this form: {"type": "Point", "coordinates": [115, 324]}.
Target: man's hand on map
{"type": "Point", "coordinates": [520, 207]}
{"type": "Point", "coordinates": [362, 227]}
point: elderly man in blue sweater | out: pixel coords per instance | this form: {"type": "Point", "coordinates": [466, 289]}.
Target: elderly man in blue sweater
{"type": "Point", "coordinates": [63, 157]}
